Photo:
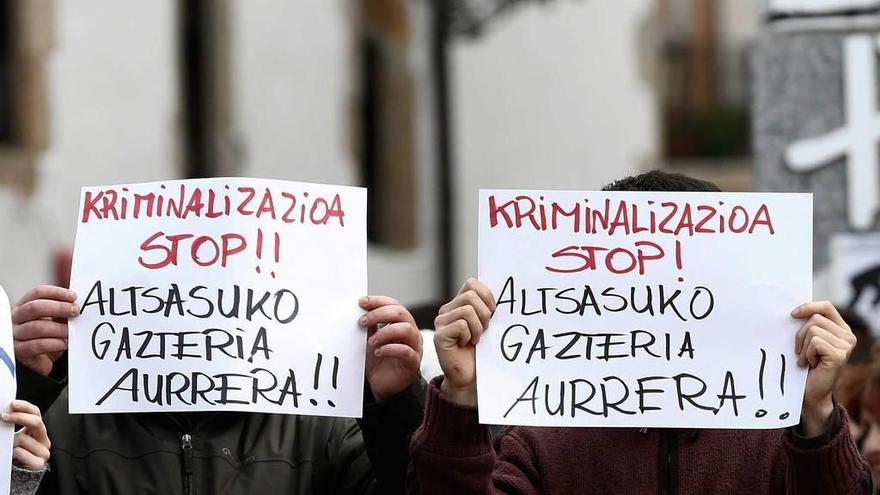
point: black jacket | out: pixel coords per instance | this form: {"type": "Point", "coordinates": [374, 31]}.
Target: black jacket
{"type": "Point", "coordinates": [224, 452]}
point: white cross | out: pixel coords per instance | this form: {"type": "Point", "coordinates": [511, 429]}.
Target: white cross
{"type": "Point", "coordinates": [857, 140]}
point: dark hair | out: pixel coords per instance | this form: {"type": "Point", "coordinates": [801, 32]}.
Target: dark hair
{"type": "Point", "coordinates": [861, 354]}
{"type": "Point", "coordinates": [656, 180]}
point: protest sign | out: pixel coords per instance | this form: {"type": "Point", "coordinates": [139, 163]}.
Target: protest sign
{"type": "Point", "coordinates": [219, 294]}
{"type": "Point", "coordinates": [643, 309]}
{"type": "Point", "coordinates": [7, 390]}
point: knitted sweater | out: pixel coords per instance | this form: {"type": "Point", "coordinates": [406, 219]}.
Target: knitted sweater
{"type": "Point", "coordinates": [25, 481]}
{"type": "Point", "coordinates": [453, 454]}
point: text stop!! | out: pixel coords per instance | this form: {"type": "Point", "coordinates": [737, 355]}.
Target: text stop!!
{"type": "Point", "coordinates": [219, 294]}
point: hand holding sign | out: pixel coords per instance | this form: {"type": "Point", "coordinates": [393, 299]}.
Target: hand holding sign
{"type": "Point", "coordinates": [459, 325]}
{"type": "Point", "coordinates": [394, 346]}
{"type": "Point", "coordinates": [31, 448]}
{"type": "Point", "coordinates": [40, 326]}
{"type": "Point", "coordinates": [824, 342]}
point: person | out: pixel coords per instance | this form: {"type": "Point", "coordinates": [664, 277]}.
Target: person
{"type": "Point", "coordinates": [30, 447]}
{"type": "Point", "coordinates": [225, 452]}
{"type": "Point", "coordinates": [850, 385]}
{"type": "Point", "coordinates": [453, 453]}
{"type": "Point", "coordinates": [869, 417]}
{"type": "Point", "coordinates": [866, 349]}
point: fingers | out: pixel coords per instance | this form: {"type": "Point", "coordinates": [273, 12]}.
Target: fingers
{"type": "Point", "coordinates": [25, 414]}
{"type": "Point", "coordinates": [33, 423]}
{"type": "Point", "coordinates": [470, 299]}
{"type": "Point", "coordinates": [818, 349]}
{"type": "Point", "coordinates": [25, 460]}
{"type": "Point", "coordinates": [823, 336]}
{"type": "Point", "coordinates": [402, 352]}
{"type": "Point", "coordinates": [458, 332]}
{"type": "Point", "coordinates": [50, 292]}
{"type": "Point", "coordinates": [28, 349]}
{"type": "Point", "coordinates": [824, 308]}
{"type": "Point", "coordinates": [37, 329]}
{"type": "Point", "coordinates": [401, 333]}
{"type": "Point", "coordinates": [473, 325]}
{"type": "Point", "coordinates": [370, 303]}
{"type": "Point", "coordinates": [481, 290]}
{"type": "Point", "coordinates": [387, 314]}
{"type": "Point", "coordinates": [25, 407]}
{"type": "Point", "coordinates": [43, 308]}
{"type": "Point", "coordinates": [820, 321]}
{"type": "Point", "coordinates": [31, 445]}
{"type": "Point", "coordinates": [814, 333]}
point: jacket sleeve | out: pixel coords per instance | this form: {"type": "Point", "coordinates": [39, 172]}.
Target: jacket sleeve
{"type": "Point", "coordinates": [372, 454]}
{"type": "Point", "coordinates": [40, 390]}
{"type": "Point", "coordinates": [387, 428]}
{"type": "Point", "coordinates": [829, 465]}
{"type": "Point", "coordinates": [453, 453]}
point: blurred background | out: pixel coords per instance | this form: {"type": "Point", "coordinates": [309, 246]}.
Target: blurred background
{"type": "Point", "coordinates": [425, 102]}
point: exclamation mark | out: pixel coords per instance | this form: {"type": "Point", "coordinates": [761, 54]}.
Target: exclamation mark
{"type": "Point", "coordinates": [782, 384]}
{"type": "Point", "coordinates": [335, 375]}
{"type": "Point", "coordinates": [317, 379]}
{"type": "Point", "coordinates": [678, 258]}
{"type": "Point", "coordinates": [761, 412]}
{"type": "Point", "coordinates": [259, 247]}
{"type": "Point", "coordinates": [277, 251]}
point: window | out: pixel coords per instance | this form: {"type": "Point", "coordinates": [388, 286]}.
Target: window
{"type": "Point", "coordinates": [25, 43]}
{"type": "Point", "coordinates": [205, 40]}
{"type": "Point", "coordinates": [385, 123]}
{"type": "Point", "coordinates": [704, 79]}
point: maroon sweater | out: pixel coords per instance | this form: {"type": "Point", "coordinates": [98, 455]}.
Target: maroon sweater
{"type": "Point", "coordinates": [453, 454]}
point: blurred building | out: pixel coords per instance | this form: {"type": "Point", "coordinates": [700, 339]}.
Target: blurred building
{"type": "Point", "coordinates": [424, 102]}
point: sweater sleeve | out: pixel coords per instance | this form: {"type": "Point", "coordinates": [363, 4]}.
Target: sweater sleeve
{"type": "Point", "coordinates": [831, 467]}
{"type": "Point", "coordinates": [453, 453]}
{"type": "Point", "coordinates": [25, 481]}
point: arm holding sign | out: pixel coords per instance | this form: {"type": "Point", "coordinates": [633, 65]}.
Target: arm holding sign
{"type": "Point", "coordinates": [822, 457]}
{"type": "Point", "coordinates": [394, 397]}
{"type": "Point", "coordinates": [452, 452]}
{"type": "Point", "coordinates": [30, 450]}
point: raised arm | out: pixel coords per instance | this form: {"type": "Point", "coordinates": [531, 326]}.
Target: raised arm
{"type": "Point", "coordinates": [821, 457]}
{"type": "Point", "coordinates": [452, 452]}
{"type": "Point", "coordinates": [394, 392]}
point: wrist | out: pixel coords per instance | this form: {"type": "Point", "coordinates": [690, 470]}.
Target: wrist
{"type": "Point", "coordinates": [465, 396]}
{"type": "Point", "coordinates": [816, 417]}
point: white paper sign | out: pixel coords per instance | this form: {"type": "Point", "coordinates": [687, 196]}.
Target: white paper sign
{"type": "Point", "coordinates": [233, 294]}
{"type": "Point", "coordinates": [643, 309]}
{"type": "Point", "coordinates": [7, 390]}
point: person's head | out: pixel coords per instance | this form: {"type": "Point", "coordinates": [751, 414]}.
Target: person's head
{"type": "Point", "coordinates": [870, 419]}
{"type": "Point", "coordinates": [862, 353]}
{"type": "Point", "coordinates": [656, 180]}
{"type": "Point", "coordinates": [849, 393]}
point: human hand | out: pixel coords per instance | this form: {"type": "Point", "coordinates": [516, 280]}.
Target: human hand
{"type": "Point", "coordinates": [31, 445]}
{"type": "Point", "coordinates": [394, 346]}
{"type": "Point", "coordinates": [39, 326]}
{"type": "Point", "coordinates": [458, 326]}
{"type": "Point", "coordinates": [824, 342]}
